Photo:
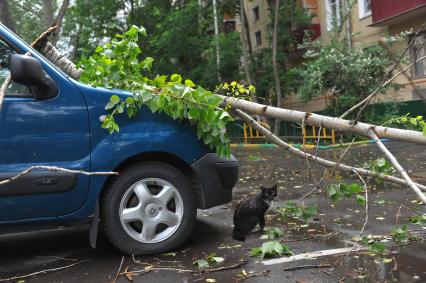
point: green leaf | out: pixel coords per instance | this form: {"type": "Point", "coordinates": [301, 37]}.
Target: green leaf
{"type": "Point", "coordinates": [360, 200]}
{"type": "Point", "coordinates": [201, 263]}
{"type": "Point", "coordinates": [146, 96]}
{"type": "Point", "coordinates": [378, 247]}
{"type": "Point", "coordinates": [116, 127]}
{"type": "Point", "coordinates": [110, 105]}
{"type": "Point", "coordinates": [193, 113]}
{"type": "Point", "coordinates": [424, 130]}
{"type": "Point", "coordinates": [189, 83]}
{"type": "Point", "coordinates": [133, 31]}
{"type": "Point", "coordinates": [99, 49]}
{"type": "Point", "coordinates": [114, 99]}
{"type": "Point", "coordinates": [413, 121]}
{"type": "Point", "coordinates": [418, 219]}
{"type": "Point", "coordinates": [176, 78]}
{"type": "Point", "coordinates": [381, 162]}
{"type": "Point", "coordinates": [355, 188]}
{"type": "Point", "coordinates": [272, 233]}
{"type": "Point", "coordinates": [255, 251]}
{"type": "Point", "coordinates": [120, 108]}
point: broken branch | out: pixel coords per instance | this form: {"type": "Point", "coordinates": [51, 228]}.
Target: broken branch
{"type": "Point", "coordinates": [53, 168]}
{"type": "Point", "coordinates": [307, 267]}
{"type": "Point", "coordinates": [413, 186]}
{"type": "Point", "coordinates": [311, 255]}
{"type": "Point", "coordinates": [167, 268]}
{"type": "Point", "coordinates": [350, 169]}
{"type": "Point", "coordinates": [41, 272]}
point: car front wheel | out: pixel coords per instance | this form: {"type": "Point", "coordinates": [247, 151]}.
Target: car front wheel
{"type": "Point", "coordinates": [150, 208]}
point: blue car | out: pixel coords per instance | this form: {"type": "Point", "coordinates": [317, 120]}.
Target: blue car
{"type": "Point", "coordinates": [47, 118]}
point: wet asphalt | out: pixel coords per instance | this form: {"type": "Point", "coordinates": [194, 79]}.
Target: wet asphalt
{"type": "Point", "coordinates": [335, 226]}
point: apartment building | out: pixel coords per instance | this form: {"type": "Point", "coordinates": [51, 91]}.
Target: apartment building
{"type": "Point", "coordinates": [369, 22]}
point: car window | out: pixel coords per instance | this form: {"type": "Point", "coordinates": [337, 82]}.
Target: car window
{"type": "Point", "coordinates": [14, 89]}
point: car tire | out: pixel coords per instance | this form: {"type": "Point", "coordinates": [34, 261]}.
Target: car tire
{"type": "Point", "coordinates": [150, 208]}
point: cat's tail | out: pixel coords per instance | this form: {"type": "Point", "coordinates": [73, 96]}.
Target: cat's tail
{"type": "Point", "coordinates": [237, 235]}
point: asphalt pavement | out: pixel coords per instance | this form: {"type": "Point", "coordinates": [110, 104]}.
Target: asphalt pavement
{"type": "Point", "coordinates": [335, 226]}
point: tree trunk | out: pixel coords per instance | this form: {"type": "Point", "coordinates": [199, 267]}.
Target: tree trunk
{"type": "Point", "coordinates": [47, 13]}
{"type": "Point", "coordinates": [247, 30]}
{"type": "Point", "coordinates": [216, 33]}
{"type": "Point", "coordinates": [60, 60]}
{"type": "Point", "coordinates": [275, 65]}
{"type": "Point", "coordinates": [74, 52]}
{"type": "Point", "coordinates": [6, 16]}
{"type": "Point", "coordinates": [313, 119]}
{"type": "Point", "coordinates": [244, 40]}
{"type": "Point", "coordinates": [59, 20]}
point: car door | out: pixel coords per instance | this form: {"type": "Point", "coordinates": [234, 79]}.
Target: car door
{"type": "Point", "coordinates": [42, 132]}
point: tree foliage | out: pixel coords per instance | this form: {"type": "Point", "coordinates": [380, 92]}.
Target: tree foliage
{"type": "Point", "coordinates": [116, 65]}
{"type": "Point", "coordinates": [345, 75]}
{"type": "Point", "coordinates": [292, 19]}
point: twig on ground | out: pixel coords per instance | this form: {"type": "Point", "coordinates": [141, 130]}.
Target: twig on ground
{"type": "Point", "coordinates": [191, 271]}
{"type": "Point", "coordinates": [241, 278]}
{"type": "Point", "coordinates": [366, 205]}
{"type": "Point", "coordinates": [58, 257]}
{"type": "Point", "coordinates": [118, 271]}
{"type": "Point", "coordinates": [41, 272]}
{"type": "Point", "coordinates": [167, 261]}
{"type": "Point", "coordinates": [54, 169]}
{"type": "Point", "coordinates": [306, 267]}
{"type": "Point", "coordinates": [397, 215]}
{"type": "Point", "coordinates": [311, 237]}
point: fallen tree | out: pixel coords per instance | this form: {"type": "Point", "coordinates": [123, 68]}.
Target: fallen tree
{"type": "Point", "coordinates": [209, 111]}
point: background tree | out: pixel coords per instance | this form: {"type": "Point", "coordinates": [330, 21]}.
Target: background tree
{"type": "Point", "coordinates": [29, 18]}
{"type": "Point", "coordinates": [272, 72]}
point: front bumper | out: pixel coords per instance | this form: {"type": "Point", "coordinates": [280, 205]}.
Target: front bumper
{"type": "Point", "coordinates": [217, 176]}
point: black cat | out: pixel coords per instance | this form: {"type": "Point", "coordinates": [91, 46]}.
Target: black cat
{"type": "Point", "coordinates": [251, 212]}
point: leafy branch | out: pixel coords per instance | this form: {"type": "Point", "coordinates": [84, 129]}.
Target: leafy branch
{"type": "Point", "coordinates": [337, 191]}
{"type": "Point", "coordinates": [116, 65]}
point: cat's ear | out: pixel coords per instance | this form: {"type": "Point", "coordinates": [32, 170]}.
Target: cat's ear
{"type": "Point", "coordinates": [275, 187]}
{"type": "Point", "coordinates": [262, 188]}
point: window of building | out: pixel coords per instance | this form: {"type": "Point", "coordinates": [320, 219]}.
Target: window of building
{"type": "Point", "coordinates": [258, 36]}
{"type": "Point", "coordinates": [333, 13]}
{"type": "Point", "coordinates": [418, 50]}
{"type": "Point", "coordinates": [256, 13]}
{"type": "Point", "coordinates": [364, 7]}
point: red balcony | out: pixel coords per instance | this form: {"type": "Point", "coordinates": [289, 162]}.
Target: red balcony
{"type": "Point", "coordinates": [391, 12]}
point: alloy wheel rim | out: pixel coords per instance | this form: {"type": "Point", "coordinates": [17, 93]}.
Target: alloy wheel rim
{"type": "Point", "coordinates": [151, 210]}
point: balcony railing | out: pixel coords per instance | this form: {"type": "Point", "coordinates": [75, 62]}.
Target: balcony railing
{"type": "Point", "coordinates": [383, 10]}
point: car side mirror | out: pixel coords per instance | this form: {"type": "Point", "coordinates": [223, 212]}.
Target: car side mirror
{"type": "Point", "coordinates": [27, 70]}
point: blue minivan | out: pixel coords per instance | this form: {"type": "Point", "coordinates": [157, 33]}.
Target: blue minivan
{"type": "Point", "coordinates": [47, 118]}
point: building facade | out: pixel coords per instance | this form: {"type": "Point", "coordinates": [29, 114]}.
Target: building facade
{"type": "Point", "coordinates": [369, 21]}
